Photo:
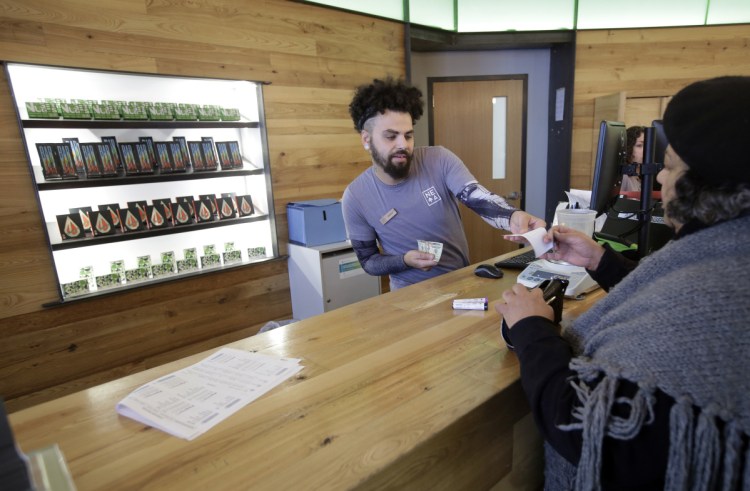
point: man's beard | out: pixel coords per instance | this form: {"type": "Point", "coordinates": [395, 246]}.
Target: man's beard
{"type": "Point", "coordinates": [396, 172]}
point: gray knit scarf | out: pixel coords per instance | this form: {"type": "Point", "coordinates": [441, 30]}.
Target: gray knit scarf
{"type": "Point", "coordinates": [680, 323]}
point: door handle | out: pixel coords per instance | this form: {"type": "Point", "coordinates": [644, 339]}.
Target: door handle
{"type": "Point", "coordinates": [513, 195]}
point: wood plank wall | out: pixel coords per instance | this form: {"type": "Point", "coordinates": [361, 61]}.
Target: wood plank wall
{"type": "Point", "coordinates": [646, 62]}
{"type": "Point", "coordinates": [312, 56]}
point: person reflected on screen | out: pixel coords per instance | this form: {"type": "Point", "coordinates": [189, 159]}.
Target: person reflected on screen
{"type": "Point", "coordinates": [649, 389]}
{"type": "Point", "coordinates": [634, 157]}
{"type": "Point", "coordinates": [411, 194]}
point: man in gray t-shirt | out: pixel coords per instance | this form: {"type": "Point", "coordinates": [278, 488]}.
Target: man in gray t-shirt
{"type": "Point", "coordinates": [410, 194]}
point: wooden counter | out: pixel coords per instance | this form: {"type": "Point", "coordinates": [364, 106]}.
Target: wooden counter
{"type": "Point", "coordinates": [398, 391]}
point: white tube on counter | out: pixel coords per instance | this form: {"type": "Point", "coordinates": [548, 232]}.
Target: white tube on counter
{"type": "Point", "coordinates": [470, 304]}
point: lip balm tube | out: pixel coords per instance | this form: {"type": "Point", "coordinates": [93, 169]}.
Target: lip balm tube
{"type": "Point", "coordinates": [470, 304]}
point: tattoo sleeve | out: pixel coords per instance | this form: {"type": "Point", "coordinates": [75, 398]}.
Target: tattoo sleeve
{"type": "Point", "coordinates": [492, 208]}
{"type": "Point", "coordinates": [375, 263]}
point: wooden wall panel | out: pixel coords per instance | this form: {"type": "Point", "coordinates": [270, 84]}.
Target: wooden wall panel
{"type": "Point", "coordinates": [313, 57]}
{"type": "Point", "coordinates": [646, 63]}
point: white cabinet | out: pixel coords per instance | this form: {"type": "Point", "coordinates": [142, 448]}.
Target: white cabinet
{"type": "Point", "coordinates": [326, 277]}
{"type": "Point", "coordinates": [199, 115]}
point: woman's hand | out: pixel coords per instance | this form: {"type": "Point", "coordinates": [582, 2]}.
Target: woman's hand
{"type": "Point", "coordinates": [574, 247]}
{"type": "Point", "coordinates": [521, 303]}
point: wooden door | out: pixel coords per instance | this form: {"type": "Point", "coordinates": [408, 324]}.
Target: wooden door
{"type": "Point", "coordinates": [462, 115]}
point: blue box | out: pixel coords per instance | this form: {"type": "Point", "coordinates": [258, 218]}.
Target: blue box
{"type": "Point", "coordinates": [316, 222]}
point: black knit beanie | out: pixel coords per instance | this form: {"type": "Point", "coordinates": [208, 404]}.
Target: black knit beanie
{"type": "Point", "coordinates": [708, 124]}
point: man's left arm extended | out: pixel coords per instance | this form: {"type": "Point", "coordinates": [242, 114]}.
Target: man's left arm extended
{"type": "Point", "coordinates": [496, 211]}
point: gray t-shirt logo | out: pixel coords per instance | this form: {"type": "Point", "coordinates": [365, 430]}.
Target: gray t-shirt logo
{"type": "Point", "coordinates": [431, 196]}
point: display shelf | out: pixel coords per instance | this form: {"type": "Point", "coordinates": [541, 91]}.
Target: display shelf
{"type": "Point", "coordinates": [239, 171]}
{"type": "Point", "coordinates": [124, 180]}
{"type": "Point", "coordinates": [166, 279]}
{"type": "Point", "coordinates": [125, 236]}
{"type": "Point", "coordinates": [105, 124]}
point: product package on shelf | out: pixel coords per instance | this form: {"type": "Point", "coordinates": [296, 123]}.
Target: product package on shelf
{"type": "Point", "coordinates": [108, 280]}
{"type": "Point", "coordinates": [105, 112]}
{"type": "Point", "coordinates": [44, 110]}
{"type": "Point", "coordinates": [131, 219]}
{"type": "Point", "coordinates": [101, 223]}
{"type": "Point", "coordinates": [160, 113]}
{"type": "Point", "coordinates": [136, 275]}
{"type": "Point", "coordinates": [164, 157]}
{"type": "Point", "coordinates": [157, 216]}
{"type": "Point", "coordinates": [209, 113]}
{"type": "Point", "coordinates": [114, 213]}
{"type": "Point", "coordinates": [74, 111]}
{"type": "Point", "coordinates": [179, 156]}
{"type": "Point", "coordinates": [212, 199]}
{"type": "Point", "coordinates": [210, 261]}
{"type": "Point", "coordinates": [183, 212]}
{"type": "Point", "coordinates": [166, 203]}
{"type": "Point", "coordinates": [71, 226]}
{"type": "Point", "coordinates": [256, 252]}
{"type": "Point", "coordinates": [109, 165]}
{"type": "Point", "coordinates": [129, 158]}
{"type": "Point", "coordinates": [75, 148]}
{"type": "Point", "coordinates": [75, 288]}
{"type": "Point", "coordinates": [187, 265]}
{"type": "Point", "coordinates": [118, 266]}
{"type": "Point", "coordinates": [49, 161]}
{"type": "Point", "coordinates": [184, 147]}
{"type": "Point", "coordinates": [196, 155]}
{"type": "Point", "coordinates": [229, 114]}
{"type": "Point", "coordinates": [245, 205]}
{"type": "Point", "coordinates": [57, 161]}
{"type": "Point", "coordinates": [185, 112]}
{"type": "Point", "coordinates": [114, 149]}
{"type": "Point", "coordinates": [209, 153]}
{"type": "Point", "coordinates": [85, 213]}
{"type": "Point", "coordinates": [203, 211]}
{"type": "Point", "coordinates": [133, 111]}
{"type": "Point", "coordinates": [149, 141]}
{"type": "Point", "coordinates": [226, 208]}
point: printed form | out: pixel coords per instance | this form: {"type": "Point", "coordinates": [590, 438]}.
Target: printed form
{"type": "Point", "coordinates": [189, 402]}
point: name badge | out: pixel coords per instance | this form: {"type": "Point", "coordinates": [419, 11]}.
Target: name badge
{"type": "Point", "coordinates": [386, 218]}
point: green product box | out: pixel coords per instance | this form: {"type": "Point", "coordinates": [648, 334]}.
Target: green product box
{"type": "Point", "coordinates": [185, 113]}
{"type": "Point", "coordinates": [229, 114]}
{"type": "Point", "coordinates": [232, 257]}
{"type": "Point", "coordinates": [132, 111]}
{"type": "Point", "coordinates": [137, 274]}
{"type": "Point", "coordinates": [105, 111]}
{"type": "Point", "coordinates": [108, 280]}
{"type": "Point", "coordinates": [208, 114]}
{"type": "Point", "coordinates": [187, 265]}
{"type": "Point", "coordinates": [75, 288]}
{"type": "Point", "coordinates": [75, 111]}
{"type": "Point", "coordinates": [210, 261]}
{"type": "Point", "coordinates": [42, 110]}
{"type": "Point", "coordinates": [160, 113]}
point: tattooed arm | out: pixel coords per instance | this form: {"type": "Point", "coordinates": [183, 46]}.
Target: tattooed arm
{"type": "Point", "coordinates": [496, 211]}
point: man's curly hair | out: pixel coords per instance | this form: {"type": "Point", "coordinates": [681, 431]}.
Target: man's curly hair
{"type": "Point", "coordinates": [382, 95]}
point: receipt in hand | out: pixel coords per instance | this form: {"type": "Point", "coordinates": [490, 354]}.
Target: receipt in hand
{"type": "Point", "coordinates": [535, 238]}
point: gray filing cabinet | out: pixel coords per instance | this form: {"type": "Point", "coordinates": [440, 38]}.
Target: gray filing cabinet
{"type": "Point", "coordinates": [326, 277]}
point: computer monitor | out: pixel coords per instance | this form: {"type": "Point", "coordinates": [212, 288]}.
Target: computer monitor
{"type": "Point", "coordinates": [660, 145]}
{"type": "Point", "coordinates": [608, 168]}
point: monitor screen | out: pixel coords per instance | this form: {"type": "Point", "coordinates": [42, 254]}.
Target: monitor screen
{"type": "Point", "coordinates": [660, 145]}
{"type": "Point", "coordinates": [610, 157]}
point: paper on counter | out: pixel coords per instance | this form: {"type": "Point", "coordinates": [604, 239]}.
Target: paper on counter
{"type": "Point", "coordinates": [190, 401]}
{"type": "Point", "coordinates": [535, 238]}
